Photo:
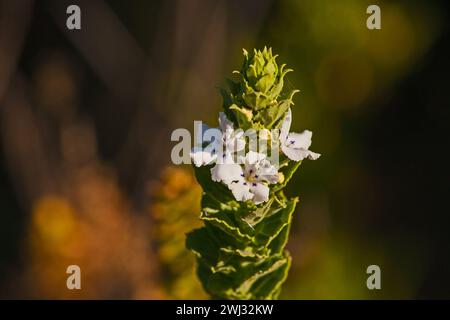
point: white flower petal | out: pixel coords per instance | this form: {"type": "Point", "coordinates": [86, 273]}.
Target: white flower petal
{"type": "Point", "coordinates": [299, 140]}
{"type": "Point", "coordinates": [227, 173]}
{"type": "Point", "coordinates": [313, 155]}
{"type": "Point", "coordinates": [225, 158]}
{"type": "Point", "coordinates": [213, 136]}
{"type": "Point", "coordinates": [202, 157]}
{"type": "Point", "coordinates": [295, 145]}
{"type": "Point", "coordinates": [199, 131]}
{"type": "Point", "coordinates": [260, 191]}
{"type": "Point", "coordinates": [240, 158]}
{"type": "Point", "coordinates": [241, 190]}
{"type": "Point", "coordinates": [233, 144]}
{"type": "Point", "coordinates": [265, 171]}
{"type": "Point", "coordinates": [299, 154]}
{"type": "Point", "coordinates": [292, 153]}
{"type": "Point", "coordinates": [253, 157]}
{"type": "Point", "coordinates": [286, 125]}
{"type": "Point", "coordinates": [239, 134]}
{"type": "Point", "coordinates": [240, 146]}
{"type": "Point", "coordinates": [224, 123]}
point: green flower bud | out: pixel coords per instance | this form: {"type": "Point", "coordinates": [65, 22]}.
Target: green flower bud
{"type": "Point", "coordinates": [256, 100]}
{"type": "Point", "coordinates": [261, 78]}
{"type": "Point", "coordinates": [260, 69]}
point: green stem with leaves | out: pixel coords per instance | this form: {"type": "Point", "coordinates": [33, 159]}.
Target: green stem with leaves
{"type": "Point", "coordinates": [240, 249]}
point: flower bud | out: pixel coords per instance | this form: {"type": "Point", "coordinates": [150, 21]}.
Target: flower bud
{"type": "Point", "coordinates": [256, 101]}
{"type": "Point", "coordinates": [261, 78]}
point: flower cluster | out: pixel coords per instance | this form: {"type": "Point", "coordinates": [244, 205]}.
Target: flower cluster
{"type": "Point", "coordinates": [249, 176]}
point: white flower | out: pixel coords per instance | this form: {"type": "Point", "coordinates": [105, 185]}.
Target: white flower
{"type": "Point", "coordinates": [228, 139]}
{"type": "Point", "coordinates": [295, 145]}
{"type": "Point", "coordinates": [248, 182]}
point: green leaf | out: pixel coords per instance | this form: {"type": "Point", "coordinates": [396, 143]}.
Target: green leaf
{"type": "Point", "coordinates": [216, 190]}
{"type": "Point", "coordinates": [204, 246]}
{"type": "Point", "coordinates": [226, 223]}
{"type": "Point", "coordinates": [269, 287]}
{"type": "Point", "coordinates": [218, 285]}
{"type": "Point", "coordinates": [287, 171]}
{"type": "Point", "coordinates": [272, 115]}
{"type": "Point", "coordinates": [271, 226]}
{"type": "Point", "coordinates": [279, 242]}
{"type": "Point", "coordinates": [257, 272]}
{"type": "Point", "coordinates": [253, 217]}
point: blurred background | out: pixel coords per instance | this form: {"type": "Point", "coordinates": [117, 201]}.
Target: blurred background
{"type": "Point", "coordinates": [86, 117]}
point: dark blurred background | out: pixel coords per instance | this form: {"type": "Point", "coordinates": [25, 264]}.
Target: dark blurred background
{"type": "Point", "coordinates": [86, 117]}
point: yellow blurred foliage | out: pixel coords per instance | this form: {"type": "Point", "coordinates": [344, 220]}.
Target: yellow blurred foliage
{"type": "Point", "coordinates": [175, 211]}
{"type": "Point", "coordinates": [91, 226]}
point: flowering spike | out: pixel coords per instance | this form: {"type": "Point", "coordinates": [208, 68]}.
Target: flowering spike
{"type": "Point", "coordinates": [241, 247]}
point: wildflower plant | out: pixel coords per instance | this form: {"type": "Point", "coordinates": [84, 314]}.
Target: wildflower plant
{"type": "Point", "coordinates": [240, 249]}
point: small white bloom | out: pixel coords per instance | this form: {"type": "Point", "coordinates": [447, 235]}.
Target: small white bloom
{"type": "Point", "coordinates": [221, 144]}
{"type": "Point", "coordinates": [295, 145]}
{"type": "Point", "coordinates": [227, 171]}
{"type": "Point", "coordinates": [203, 156]}
{"type": "Point", "coordinates": [248, 182]}
{"type": "Point", "coordinates": [233, 140]}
